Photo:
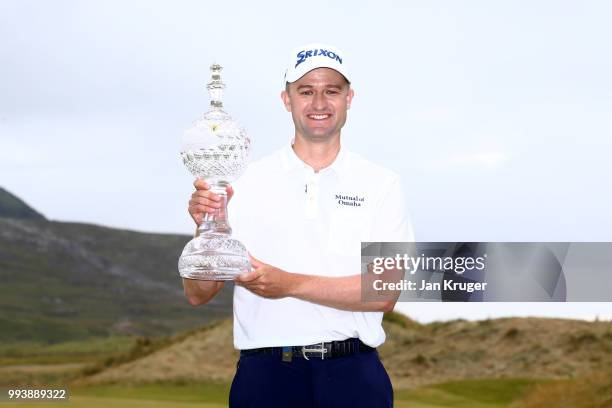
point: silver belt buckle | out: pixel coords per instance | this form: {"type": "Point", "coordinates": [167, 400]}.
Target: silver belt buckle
{"type": "Point", "coordinates": [321, 350]}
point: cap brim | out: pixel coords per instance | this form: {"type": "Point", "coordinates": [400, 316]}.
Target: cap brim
{"type": "Point", "coordinates": [296, 74]}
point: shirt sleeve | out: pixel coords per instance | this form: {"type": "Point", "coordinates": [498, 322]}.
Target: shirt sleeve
{"type": "Point", "coordinates": [391, 220]}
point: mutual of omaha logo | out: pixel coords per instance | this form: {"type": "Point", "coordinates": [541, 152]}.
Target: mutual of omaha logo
{"type": "Point", "coordinates": [305, 54]}
{"type": "Point", "coordinates": [351, 201]}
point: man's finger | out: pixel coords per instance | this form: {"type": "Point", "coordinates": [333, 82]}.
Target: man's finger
{"type": "Point", "coordinates": [199, 208]}
{"type": "Point", "coordinates": [248, 277]}
{"type": "Point", "coordinates": [204, 201]}
{"type": "Point", "coordinates": [255, 262]}
{"type": "Point", "coordinates": [200, 184]}
{"type": "Point", "coordinates": [197, 218]}
{"type": "Point", "coordinates": [207, 194]}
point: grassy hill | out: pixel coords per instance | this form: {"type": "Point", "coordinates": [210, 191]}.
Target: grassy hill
{"type": "Point", "coordinates": [494, 348]}
{"type": "Point", "coordinates": [14, 207]}
{"type": "Point", "coordinates": [414, 354]}
{"type": "Point", "coordinates": [69, 281]}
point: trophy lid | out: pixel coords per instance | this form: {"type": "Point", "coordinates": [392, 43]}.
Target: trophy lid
{"type": "Point", "coordinates": [215, 146]}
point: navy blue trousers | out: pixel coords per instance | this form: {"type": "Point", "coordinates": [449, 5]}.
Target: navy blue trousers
{"type": "Point", "coordinates": [265, 381]}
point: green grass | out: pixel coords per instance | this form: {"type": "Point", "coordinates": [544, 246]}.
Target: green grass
{"type": "Point", "coordinates": [94, 402]}
{"type": "Point", "coordinates": [44, 375]}
{"type": "Point", "coordinates": [206, 395]}
{"type": "Point", "coordinates": [35, 362]}
{"type": "Point", "coordinates": [41, 363]}
{"type": "Point", "coordinates": [93, 349]}
{"type": "Point", "coordinates": [488, 390]}
{"type": "Point", "coordinates": [197, 392]}
{"type": "Point", "coordinates": [485, 393]}
{"type": "Point", "coordinates": [589, 391]}
{"type": "Point", "coordinates": [479, 393]}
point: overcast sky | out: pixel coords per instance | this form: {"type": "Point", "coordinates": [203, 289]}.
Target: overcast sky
{"type": "Point", "coordinates": [496, 114]}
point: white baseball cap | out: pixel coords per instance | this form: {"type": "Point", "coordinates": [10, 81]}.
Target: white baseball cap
{"type": "Point", "coordinates": [311, 56]}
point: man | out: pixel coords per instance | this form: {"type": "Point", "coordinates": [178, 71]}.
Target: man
{"type": "Point", "coordinates": [307, 338]}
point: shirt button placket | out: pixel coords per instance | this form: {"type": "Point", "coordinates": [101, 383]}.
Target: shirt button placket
{"type": "Point", "coordinates": [311, 208]}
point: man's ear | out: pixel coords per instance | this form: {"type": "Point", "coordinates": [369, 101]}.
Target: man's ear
{"type": "Point", "coordinates": [286, 100]}
{"type": "Point", "coordinates": [349, 98]}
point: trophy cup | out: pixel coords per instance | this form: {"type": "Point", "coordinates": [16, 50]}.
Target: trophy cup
{"type": "Point", "coordinates": [215, 149]}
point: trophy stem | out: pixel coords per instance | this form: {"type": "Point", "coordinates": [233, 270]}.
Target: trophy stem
{"type": "Point", "coordinates": [216, 223]}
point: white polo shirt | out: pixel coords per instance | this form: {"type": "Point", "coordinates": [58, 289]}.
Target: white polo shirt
{"type": "Point", "coordinates": [300, 221]}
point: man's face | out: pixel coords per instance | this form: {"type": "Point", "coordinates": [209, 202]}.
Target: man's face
{"type": "Point", "coordinates": [318, 102]}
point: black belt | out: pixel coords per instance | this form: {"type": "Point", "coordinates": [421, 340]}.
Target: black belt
{"type": "Point", "coordinates": [324, 350]}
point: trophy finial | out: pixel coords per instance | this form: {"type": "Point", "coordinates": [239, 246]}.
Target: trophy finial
{"type": "Point", "coordinates": [215, 86]}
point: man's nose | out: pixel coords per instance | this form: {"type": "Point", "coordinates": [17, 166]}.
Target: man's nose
{"type": "Point", "coordinates": [319, 102]}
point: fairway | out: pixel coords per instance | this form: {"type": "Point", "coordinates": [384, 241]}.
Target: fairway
{"type": "Point", "coordinates": [476, 393]}
{"type": "Point", "coordinates": [101, 402]}
{"type": "Point", "coordinates": [98, 402]}
{"type": "Point", "coordinates": [496, 393]}
{"type": "Point", "coordinates": [435, 398]}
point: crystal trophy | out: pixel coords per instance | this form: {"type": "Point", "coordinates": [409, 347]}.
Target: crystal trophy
{"type": "Point", "coordinates": [216, 150]}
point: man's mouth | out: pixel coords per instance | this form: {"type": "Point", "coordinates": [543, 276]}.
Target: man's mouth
{"type": "Point", "coordinates": [319, 116]}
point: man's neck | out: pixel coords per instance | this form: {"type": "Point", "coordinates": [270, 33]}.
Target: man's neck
{"type": "Point", "coordinates": [317, 155]}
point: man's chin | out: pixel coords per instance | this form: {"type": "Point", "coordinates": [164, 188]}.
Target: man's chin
{"type": "Point", "coordinates": [320, 134]}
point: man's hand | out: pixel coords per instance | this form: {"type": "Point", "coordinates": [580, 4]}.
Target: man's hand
{"type": "Point", "coordinates": [205, 201]}
{"type": "Point", "coordinates": [200, 292]}
{"type": "Point", "coordinates": [266, 280]}
{"type": "Point", "coordinates": [340, 292]}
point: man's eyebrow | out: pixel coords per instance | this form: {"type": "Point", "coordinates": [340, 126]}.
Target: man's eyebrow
{"type": "Point", "coordinates": [336, 86]}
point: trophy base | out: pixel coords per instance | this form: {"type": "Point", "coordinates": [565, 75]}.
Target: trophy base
{"type": "Point", "coordinates": [213, 257]}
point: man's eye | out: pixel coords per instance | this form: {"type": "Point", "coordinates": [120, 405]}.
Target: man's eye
{"type": "Point", "coordinates": [330, 92]}
{"type": "Point", "coordinates": [306, 92]}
